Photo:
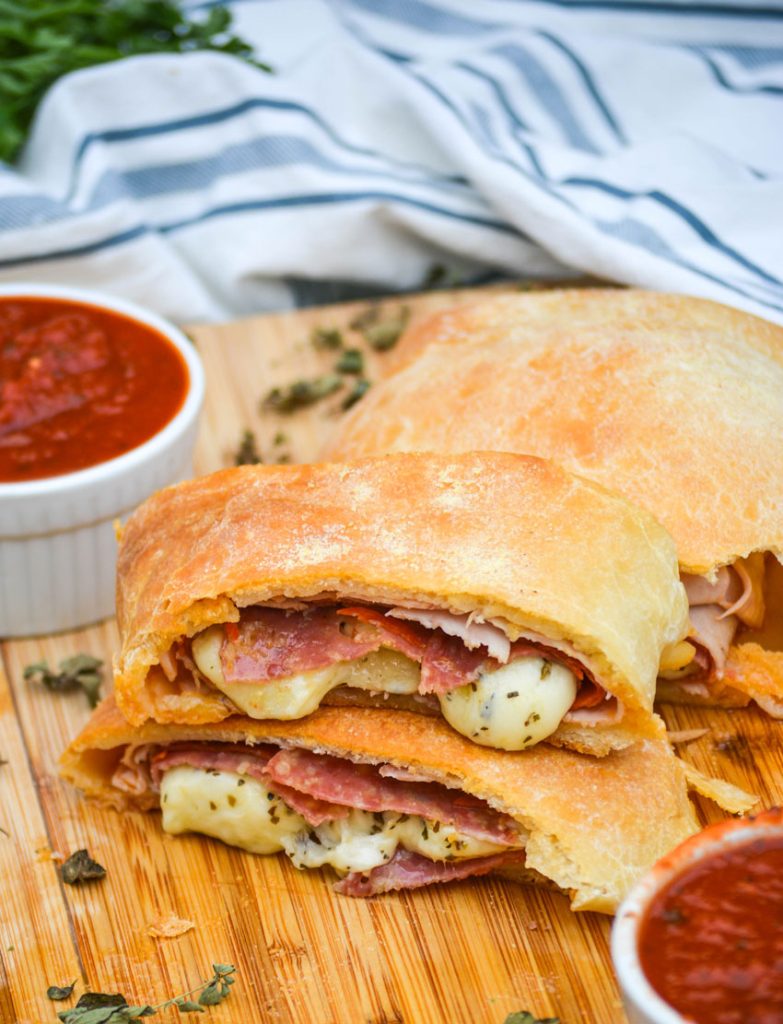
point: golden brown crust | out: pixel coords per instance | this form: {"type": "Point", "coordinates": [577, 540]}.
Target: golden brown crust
{"type": "Point", "coordinates": [507, 536]}
{"type": "Point", "coordinates": [595, 824]}
{"type": "Point", "coordinates": [672, 401]}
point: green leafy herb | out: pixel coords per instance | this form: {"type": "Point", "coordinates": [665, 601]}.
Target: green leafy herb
{"type": "Point", "coordinates": [80, 867]}
{"type": "Point", "coordinates": [247, 454]}
{"type": "Point", "coordinates": [357, 391]}
{"type": "Point", "coordinates": [526, 1017]}
{"type": "Point", "coordinates": [326, 338]}
{"type": "Point", "coordinates": [59, 992]}
{"type": "Point", "coordinates": [101, 1008]}
{"type": "Point", "coordinates": [351, 361]}
{"type": "Point", "coordinates": [381, 332]}
{"type": "Point", "coordinates": [279, 438]}
{"type": "Point", "coordinates": [81, 672]}
{"type": "Point", "coordinates": [42, 40]}
{"type": "Point", "coordinates": [301, 393]}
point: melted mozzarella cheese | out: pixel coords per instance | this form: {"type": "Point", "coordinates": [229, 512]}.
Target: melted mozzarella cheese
{"type": "Point", "coordinates": [242, 812]}
{"type": "Point", "coordinates": [356, 843]}
{"type": "Point", "coordinates": [435, 840]}
{"type": "Point", "coordinates": [514, 707]}
{"type": "Point", "coordinates": [235, 808]}
{"type": "Point", "coordinates": [676, 657]}
{"type": "Point", "coordinates": [382, 671]}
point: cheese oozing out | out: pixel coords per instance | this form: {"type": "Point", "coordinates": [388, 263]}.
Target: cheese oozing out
{"type": "Point", "coordinates": [514, 707]}
{"type": "Point", "coordinates": [242, 812]}
{"type": "Point", "coordinates": [382, 671]}
{"type": "Point", "coordinates": [235, 808]}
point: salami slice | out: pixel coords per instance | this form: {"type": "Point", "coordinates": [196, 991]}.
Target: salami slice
{"type": "Point", "coordinates": [339, 781]}
{"type": "Point", "coordinates": [408, 870]}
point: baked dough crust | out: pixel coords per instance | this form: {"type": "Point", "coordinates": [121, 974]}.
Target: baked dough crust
{"type": "Point", "coordinates": [505, 536]}
{"type": "Point", "coordinates": [675, 402]}
{"type": "Point", "coordinates": [596, 825]}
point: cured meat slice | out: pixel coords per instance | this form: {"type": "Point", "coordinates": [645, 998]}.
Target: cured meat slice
{"type": "Point", "coordinates": [408, 870]}
{"type": "Point", "coordinates": [410, 640]}
{"type": "Point", "coordinates": [271, 643]}
{"type": "Point", "coordinates": [713, 632]}
{"type": "Point", "coordinates": [448, 663]}
{"type": "Point", "coordinates": [315, 812]}
{"type": "Point", "coordinates": [361, 786]}
{"type": "Point", "coordinates": [473, 634]}
{"type": "Point", "coordinates": [221, 757]}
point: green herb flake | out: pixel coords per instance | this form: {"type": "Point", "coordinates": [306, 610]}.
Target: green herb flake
{"type": "Point", "coordinates": [351, 361]}
{"type": "Point", "coordinates": [301, 393]}
{"type": "Point", "coordinates": [80, 672]}
{"type": "Point", "coordinates": [326, 339]}
{"type": "Point", "coordinates": [526, 1017]}
{"type": "Point", "coordinates": [100, 1008]}
{"type": "Point", "coordinates": [279, 439]}
{"type": "Point", "coordinates": [59, 992]}
{"type": "Point", "coordinates": [80, 867]}
{"type": "Point", "coordinates": [40, 41]}
{"type": "Point", "coordinates": [546, 669]}
{"type": "Point", "coordinates": [381, 332]}
{"type": "Point", "coordinates": [358, 391]}
{"type": "Point", "coordinates": [247, 454]}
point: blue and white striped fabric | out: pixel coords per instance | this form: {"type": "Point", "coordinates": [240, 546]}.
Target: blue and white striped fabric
{"type": "Point", "coordinates": [638, 141]}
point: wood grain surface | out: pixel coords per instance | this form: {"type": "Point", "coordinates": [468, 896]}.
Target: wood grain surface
{"type": "Point", "coordinates": [465, 954]}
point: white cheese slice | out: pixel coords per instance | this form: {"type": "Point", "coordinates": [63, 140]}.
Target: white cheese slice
{"type": "Point", "coordinates": [235, 808]}
{"type": "Point", "coordinates": [514, 707]}
{"type": "Point", "coordinates": [382, 671]}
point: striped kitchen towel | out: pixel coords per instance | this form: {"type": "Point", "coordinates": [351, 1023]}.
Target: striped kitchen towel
{"type": "Point", "coordinates": [637, 140]}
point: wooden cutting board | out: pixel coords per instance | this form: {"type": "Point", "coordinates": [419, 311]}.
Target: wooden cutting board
{"type": "Point", "coordinates": [466, 954]}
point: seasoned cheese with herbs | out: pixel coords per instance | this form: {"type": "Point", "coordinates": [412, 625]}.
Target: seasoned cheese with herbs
{"type": "Point", "coordinates": [514, 707]}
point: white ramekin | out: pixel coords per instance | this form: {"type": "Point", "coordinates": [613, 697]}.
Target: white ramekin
{"type": "Point", "coordinates": [57, 546]}
{"type": "Point", "coordinates": [642, 1003]}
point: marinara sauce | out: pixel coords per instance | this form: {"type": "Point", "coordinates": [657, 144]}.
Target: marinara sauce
{"type": "Point", "coordinates": [79, 385]}
{"type": "Point", "coordinates": [711, 942]}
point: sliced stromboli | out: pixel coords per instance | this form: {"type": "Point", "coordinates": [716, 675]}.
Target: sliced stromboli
{"type": "Point", "coordinates": [393, 800]}
{"type": "Point", "coordinates": [517, 601]}
{"type": "Point", "coordinates": [674, 402]}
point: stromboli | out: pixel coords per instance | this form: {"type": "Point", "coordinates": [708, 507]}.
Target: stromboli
{"type": "Point", "coordinates": [590, 826]}
{"type": "Point", "coordinates": [672, 401]}
{"type": "Point", "coordinates": [531, 603]}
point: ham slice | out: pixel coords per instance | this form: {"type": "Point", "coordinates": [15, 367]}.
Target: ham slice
{"type": "Point", "coordinates": [361, 786]}
{"type": "Point", "coordinates": [473, 634]}
{"type": "Point", "coordinates": [713, 632]}
{"type": "Point", "coordinates": [408, 870]}
{"type": "Point", "coordinates": [448, 663]}
{"type": "Point", "coordinates": [724, 591]}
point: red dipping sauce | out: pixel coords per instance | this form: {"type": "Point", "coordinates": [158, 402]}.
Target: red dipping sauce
{"type": "Point", "coordinates": [711, 942]}
{"type": "Point", "coordinates": [79, 385]}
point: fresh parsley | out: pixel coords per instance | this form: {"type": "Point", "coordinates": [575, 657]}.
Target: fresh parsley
{"type": "Point", "coordinates": [42, 40]}
{"type": "Point", "coordinates": [104, 1008]}
{"type": "Point", "coordinates": [80, 867]}
{"type": "Point", "coordinates": [81, 672]}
